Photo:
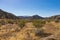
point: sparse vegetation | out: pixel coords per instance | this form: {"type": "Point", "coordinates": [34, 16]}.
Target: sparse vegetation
{"type": "Point", "coordinates": [41, 33]}
{"type": "Point", "coordinates": [38, 23]}
{"type": "Point", "coordinates": [35, 27]}
{"type": "Point", "coordinates": [21, 23]}
{"type": "Point", "coordinates": [57, 21]}
{"type": "Point", "coordinates": [51, 39]}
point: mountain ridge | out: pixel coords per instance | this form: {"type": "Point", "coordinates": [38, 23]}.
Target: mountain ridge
{"type": "Point", "coordinates": [7, 15]}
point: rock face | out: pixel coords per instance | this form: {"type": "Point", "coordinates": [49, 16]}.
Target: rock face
{"type": "Point", "coordinates": [6, 15]}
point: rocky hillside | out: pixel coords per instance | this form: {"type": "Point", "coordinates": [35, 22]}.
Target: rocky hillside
{"type": "Point", "coordinates": [6, 15]}
{"type": "Point", "coordinates": [55, 17]}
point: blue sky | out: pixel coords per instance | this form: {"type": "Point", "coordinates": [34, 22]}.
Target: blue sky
{"type": "Point", "coordinates": [31, 7]}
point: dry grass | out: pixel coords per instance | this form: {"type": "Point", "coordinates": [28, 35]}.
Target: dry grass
{"type": "Point", "coordinates": [12, 31]}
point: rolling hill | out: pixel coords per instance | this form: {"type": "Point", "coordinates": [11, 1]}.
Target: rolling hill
{"type": "Point", "coordinates": [7, 15]}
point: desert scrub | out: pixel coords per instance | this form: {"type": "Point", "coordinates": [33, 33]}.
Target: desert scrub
{"type": "Point", "coordinates": [38, 23]}
{"type": "Point", "coordinates": [2, 22]}
{"type": "Point", "coordinates": [57, 21]}
{"type": "Point", "coordinates": [21, 23]}
{"type": "Point", "coordinates": [52, 39]}
{"type": "Point", "coordinates": [10, 21]}
{"type": "Point", "coordinates": [41, 33]}
{"type": "Point", "coordinates": [0, 25]}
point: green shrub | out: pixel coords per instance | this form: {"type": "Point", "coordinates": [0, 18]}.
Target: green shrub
{"type": "Point", "coordinates": [2, 22]}
{"type": "Point", "coordinates": [38, 23]}
{"type": "Point", "coordinates": [10, 21]}
{"type": "Point", "coordinates": [21, 23]}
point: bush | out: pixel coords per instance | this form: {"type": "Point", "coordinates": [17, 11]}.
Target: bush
{"type": "Point", "coordinates": [10, 21]}
{"type": "Point", "coordinates": [48, 20]}
{"type": "Point", "coordinates": [21, 23]}
{"type": "Point", "coordinates": [2, 22]}
{"type": "Point", "coordinates": [38, 23]}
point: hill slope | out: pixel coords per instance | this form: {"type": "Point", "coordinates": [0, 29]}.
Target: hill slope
{"type": "Point", "coordinates": [6, 15]}
{"type": "Point", "coordinates": [55, 17]}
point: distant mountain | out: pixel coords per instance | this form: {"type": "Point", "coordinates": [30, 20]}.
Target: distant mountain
{"type": "Point", "coordinates": [37, 17]}
{"type": "Point", "coordinates": [24, 17]}
{"type": "Point", "coordinates": [55, 17]}
{"type": "Point", "coordinates": [31, 17]}
{"type": "Point", "coordinates": [6, 15]}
